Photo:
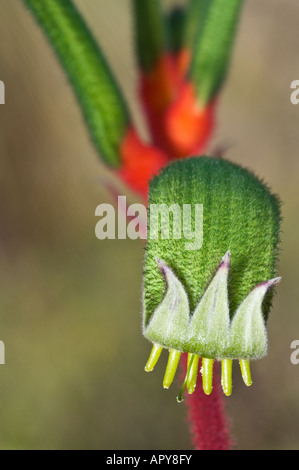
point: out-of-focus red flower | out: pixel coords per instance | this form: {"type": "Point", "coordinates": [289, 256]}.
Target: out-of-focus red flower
{"type": "Point", "coordinates": [178, 123]}
{"type": "Point", "coordinates": [139, 162]}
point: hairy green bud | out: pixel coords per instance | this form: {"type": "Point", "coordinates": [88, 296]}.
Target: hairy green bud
{"type": "Point", "coordinates": [212, 301]}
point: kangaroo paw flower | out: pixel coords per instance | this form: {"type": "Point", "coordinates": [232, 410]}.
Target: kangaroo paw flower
{"type": "Point", "coordinates": [213, 313]}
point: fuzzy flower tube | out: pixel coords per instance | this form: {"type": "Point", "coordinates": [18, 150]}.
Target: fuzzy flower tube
{"type": "Point", "coordinates": [210, 301]}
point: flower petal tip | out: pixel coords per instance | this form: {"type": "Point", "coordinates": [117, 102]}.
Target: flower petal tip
{"type": "Point", "coordinates": [225, 262]}
{"type": "Point", "coordinates": [270, 283]}
{"type": "Point", "coordinates": [274, 281]}
{"type": "Point", "coordinates": [162, 265]}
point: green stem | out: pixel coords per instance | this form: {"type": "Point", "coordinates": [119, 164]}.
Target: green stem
{"type": "Point", "coordinates": [100, 99]}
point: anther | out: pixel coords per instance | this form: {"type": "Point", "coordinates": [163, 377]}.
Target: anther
{"type": "Point", "coordinates": [153, 358]}
{"type": "Point", "coordinates": [172, 365]}
{"type": "Point", "coordinates": [245, 370]}
{"type": "Point", "coordinates": [207, 375]}
{"type": "Point", "coordinates": [192, 374]}
{"type": "Point", "coordinates": [226, 376]}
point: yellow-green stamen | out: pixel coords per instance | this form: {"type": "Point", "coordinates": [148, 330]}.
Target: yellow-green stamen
{"type": "Point", "coordinates": [226, 376]}
{"type": "Point", "coordinates": [190, 379]}
{"type": "Point", "coordinates": [172, 365]}
{"type": "Point", "coordinates": [207, 375]}
{"type": "Point", "coordinates": [245, 370]}
{"type": "Point", "coordinates": [192, 375]}
{"type": "Point", "coordinates": [189, 367]}
{"type": "Point", "coordinates": [153, 358]}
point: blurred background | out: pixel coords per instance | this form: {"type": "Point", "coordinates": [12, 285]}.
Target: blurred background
{"type": "Point", "coordinates": [70, 305]}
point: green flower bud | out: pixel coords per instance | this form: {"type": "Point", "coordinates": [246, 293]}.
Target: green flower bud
{"type": "Point", "coordinates": [198, 300]}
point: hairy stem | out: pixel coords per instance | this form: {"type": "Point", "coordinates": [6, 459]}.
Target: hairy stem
{"type": "Point", "coordinates": [81, 58]}
{"type": "Point", "coordinates": [206, 414]}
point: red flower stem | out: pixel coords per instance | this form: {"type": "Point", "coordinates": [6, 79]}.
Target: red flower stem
{"type": "Point", "coordinates": [206, 415]}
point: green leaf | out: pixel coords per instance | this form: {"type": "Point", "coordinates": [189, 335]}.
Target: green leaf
{"type": "Point", "coordinates": [99, 97]}
{"type": "Point", "coordinates": [150, 32]}
{"type": "Point", "coordinates": [213, 47]}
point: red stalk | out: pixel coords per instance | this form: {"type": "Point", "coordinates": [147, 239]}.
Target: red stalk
{"type": "Point", "coordinates": [206, 414]}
